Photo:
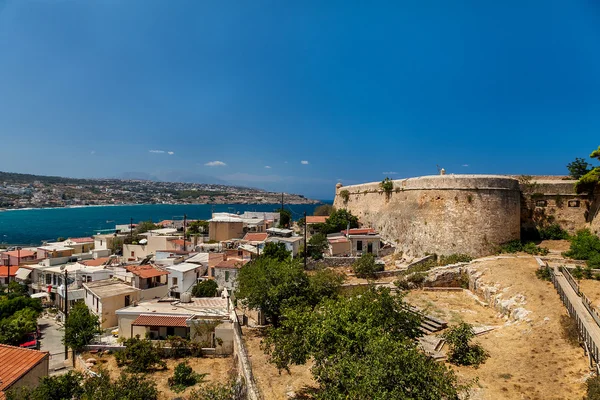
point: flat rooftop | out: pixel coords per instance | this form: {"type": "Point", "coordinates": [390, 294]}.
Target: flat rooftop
{"type": "Point", "coordinates": [109, 288]}
{"type": "Point", "coordinates": [199, 306]}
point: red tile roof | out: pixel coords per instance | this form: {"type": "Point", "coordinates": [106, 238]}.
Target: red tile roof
{"type": "Point", "coordinates": [159, 320]}
{"type": "Point", "coordinates": [4, 271]}
{"type": "Point", "coordinates": [16, 362]}
{"type": "Point", "coordinates": [316, 219]}
{"type": "Point", "coordinates": [82, 240]}
{"type": "Point", "coordinates": [24, 253]}
{"type": "Point", "coordinates": [146, 271]}
{"type": "Point", "coordinates": [231, 263]}
{"type": "Point", "coordinates": [179, 242]}
{"type": "Point", "coordinates": [363, 231]}
{"type": "Point", "coordinates": [256, 237]}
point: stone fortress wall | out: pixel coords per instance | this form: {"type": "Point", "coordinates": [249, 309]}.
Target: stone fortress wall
{"type": "Point", "coordinates": [472, 214]}
{"type": "Point", "coordinates": [440, 214]}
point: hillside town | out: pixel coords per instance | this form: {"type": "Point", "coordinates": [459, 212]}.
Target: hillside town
{"type": "Point", "coordinates": [33, 191]}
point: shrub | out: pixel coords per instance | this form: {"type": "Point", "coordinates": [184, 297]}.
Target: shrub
{"type": "Point", "coordinates": [544, 273]}
{"type": "Point", "coordinates": [387, 185]}
{"type": "Point", "coordinates": [217, 391]}
{"type": "Point", "coordinates": [345, 195]}
{"type": "Point", "coordinates": [592, 388]}
{"type": "Point", "coordinates": [577, 273]}
{"type": "Point", "coordinates": [462, 352]}
{"type": "Point", "coordinates": [588, 182]}
{"type": "Point", "coordinates": [140, 355]}
{"type": "Point", "coordinates": [417, 279]}
{"type": "Point", "coordinates": [552, 232]}
{"type": "Point", "coordinates": [454, 258]}
{"type": "Point", "coordinates": [515, 246]}
{"type": "Point", "coordinates": [206, 288]}
{"type": "Point", "coordinates": [183, 377]}
{"type": "Point", "coordinates": [585, 246]}
{"type": "Point", "coordinates": [365, 266]}
{"type": "Point", "coordinates": [569, 329]}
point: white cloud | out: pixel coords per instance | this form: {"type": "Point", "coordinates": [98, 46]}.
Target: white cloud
{"type": "Point", "coordinates": [304, 162]}
{"type": "Point", "coordinates": [465, 165]}
{"type": "Point", "coordinates": [215, 164]}
{"type": "Point", "coordinates": [170, 153]}
{"type": "Point", "coordinates": [390, 173]}
{"type": "Point", "coordinates": [156, 151]}
{"type": "Point", "coordinates": [267, 167]}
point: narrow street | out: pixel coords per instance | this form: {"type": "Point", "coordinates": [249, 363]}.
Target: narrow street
{"type": "Point", "coordinates": [51, 341]}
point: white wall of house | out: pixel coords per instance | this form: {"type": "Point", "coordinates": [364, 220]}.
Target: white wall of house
{"type": "Point", "coordinates": [226, 278]}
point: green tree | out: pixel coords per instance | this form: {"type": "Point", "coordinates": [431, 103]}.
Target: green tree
{"type": "Point", "coordinates": [81, 327]}
{"type": "Point", "coordinates": [462, 351]}
{"type": "Point", "coordinates": [270, 285]}
{"type": "Point", "coordinates": [588, 182]}
{"type": "Point", "coordinates": [285, 218]}
{"type": "Point", "coordinates": [184, 376]}
{"type": "Point", "coordinates": [276, 250]}
{"type": "Point", "coordinates": [387, 185]}
{"type": "Point", "coordinates": [585, 246]}
{"type": "Point", "coordinates": [206, 288]}
{"type": "Point", "coordinates": [322, 284]}
{"type": "Point", "coordinates": [596, 154]}
{"type": "Point", "coordinates": [116, 245]}
{"type": "Point", "coordinates": [140, 355]}
{"type": "Point", "coordinates": [197, 227]}
{"type": "Point", "coordinates": [144, 227]}
{"type": "Point", "coordinates": [59, 387]}
{"type": "Point", "coordinates": [578, 168]}
{"type": "Point", "coordinates": [338, 221]}
{"type": "Point", "coordinates": [324, 210]}
{"type": "Point", "coordinates": [362, 347]}
{"type": "Point", "coordinates": [317, 245]}
{"type": "Point", "coordinates": [365, 266]}
{"type": "Point", "coordinates": [14, 330]}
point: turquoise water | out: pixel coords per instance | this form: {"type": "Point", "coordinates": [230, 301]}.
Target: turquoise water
{"type": "Point", "coordinates": [31, 227]}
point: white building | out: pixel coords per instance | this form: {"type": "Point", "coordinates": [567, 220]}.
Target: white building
{"type": "Point", "coordinates": [292, 244]}
{"type": "Point", "coordinates": [183, 276]}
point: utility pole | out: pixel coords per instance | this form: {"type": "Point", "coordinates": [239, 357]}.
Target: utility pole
{"type": "Point", "coordinates": [281, 213]}
{"type": "Point", "coordinates": [131, 228]}
{"type": "Point", "coordinates": [66, 311]}
{"type": "Point", "coordinates": [305, 249]}
{"type": "Point", "coordinates": [184, 229]}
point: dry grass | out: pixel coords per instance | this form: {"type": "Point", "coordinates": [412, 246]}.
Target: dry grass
{"type": "Point", "coordinates": [591, 288]}
{"type": "Point", "coordinates": [218, 370]}
{"type": "Point", "coordinates": [274, 385]}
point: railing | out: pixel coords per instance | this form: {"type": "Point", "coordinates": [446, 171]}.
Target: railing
{"type": "Point", "coordinates": [588, 341]}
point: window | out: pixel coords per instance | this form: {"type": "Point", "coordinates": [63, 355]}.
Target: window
{"type": "Point", "coordinates": [170, 331]}
{"type": "Point", "coordinates": [133, 254]}
{"type": "Point", "coordinates": [573, 203]}
{"type": "Point", "coordinates": [212, 272]}
{"type": "Point", "coordinates": [174, 281]}
{"type": "Point", "coordinates": [226, 276]}
{"type": "Point", "coordinates": [127, 300]}
{"type": "Point", "coordinates": [359, 245]}
{"type": "Point", "coordinates": [101, 243]}
{"type": "Point", "coordinates": [48, 279]}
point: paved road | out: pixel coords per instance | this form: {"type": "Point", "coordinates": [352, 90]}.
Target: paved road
{"type": "Point", "coordinates": [51, 341]}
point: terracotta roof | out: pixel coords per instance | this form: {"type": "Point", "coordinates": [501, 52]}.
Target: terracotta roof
{"type": "Point", "coordinates": [338, 240]}
{"type": "Point", "coordinates": [165, 223]}
{"type": "Point", "coordinates": [159, 320]}
{"type": "Point", "coordinates": [95, 263]}
{"type": "Point", "coordinates": [16, 362]}
{"type": "Point", "coordinates": [256, 237]}
{"type": "Point", "coordinates": [4, 271]}
{"type": "Point", "coordinates": [231, 263]}
{"type": "Point", "coordinates": [316, 219]}
{"type": "Point", "coordinates": [363, 231]}
{"type": "Point", "coordinates": [82, 240]}
{"type": "Point", "coordinates": [24, 253]}
{"type": "Point", "coordinates": [146, 271]}
{"type": "Point", "coordinates": [179, 242]}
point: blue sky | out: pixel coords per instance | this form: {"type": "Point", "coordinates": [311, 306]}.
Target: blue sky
{"type": "Point", "coordinates": [318, 91]}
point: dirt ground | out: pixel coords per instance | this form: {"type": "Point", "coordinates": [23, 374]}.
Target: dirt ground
{"type": "Point", "coordinates": [591, 288]}
{"type": "Point", "coordinates": [529, 359]}
{"type": "Point", "coordinates": [556, 246]}
{"type": "Point", "coordinates": [218, 370]}
{"type": "Point", "coordinates": [274, 385]}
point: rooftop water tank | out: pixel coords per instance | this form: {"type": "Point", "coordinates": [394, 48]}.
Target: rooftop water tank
{"type": "Point", "coordinates": [186, 297]}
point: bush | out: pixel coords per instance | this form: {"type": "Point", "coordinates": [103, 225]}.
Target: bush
{"type": "Point", "coordinates": [345, 195]}
{"type": "Point", "coordinates": [515, 246]}
{"type": "Point", "coordinates": [206, 288]}
{"type": "Point", "coordinates": [544, 274]}
{"type": "Point", "coordinates": [217, 391]}
{"type": "Point", "coordinates": [417, 279]}
{"type": "Point", "coordinates": [140, 355]}
{"type": "Point", "coordinates": [569, 329]}
{"type": "Point", "coordinates": [585, 246]}
{"type": "Point", "coordinates": [462, 352]}
{"type": "Point", "coordinates": [387, 185]}
{"type": "Point", "coordinates": [365, 266]}
{"type": "Point", "coordinates": [592, 388]}
{"type": "Point", "coordinates": [588, 182]}
{"type": "Point", "coordinates": [454, 258]}
{"type": "Point", "coordinates": [183, 377]}
{"type": "Point", "coordinates": [553, 232]}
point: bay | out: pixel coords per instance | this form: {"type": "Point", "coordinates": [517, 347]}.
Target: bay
{"type": "Point", "coordinates": [33, 226]}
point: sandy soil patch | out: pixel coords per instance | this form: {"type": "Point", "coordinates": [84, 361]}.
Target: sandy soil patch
{"type": "Point", "coordinates": [591, 288]}
{"type": "Point", "coordinates": [529, 360]}
{"type": "Point", "coordinates": [218, 370]}
{"type": "Point", "coordinates": [557, 246]}
{"type": "Point", "coordinates": [274, 385]}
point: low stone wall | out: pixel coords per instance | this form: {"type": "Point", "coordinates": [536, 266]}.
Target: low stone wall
{"type": "Point", "coordinates": [332, 262]}
{"type": "Point", "coordinates": [242, 361]}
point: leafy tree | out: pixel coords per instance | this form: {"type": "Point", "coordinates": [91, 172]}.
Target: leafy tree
{"type": "Point", "coordinates": [585, 246]}
{"type": "Point", "coordinates": [324, 210]}
{"type": "Point", "coordinates": [140, 355]}
{"type": "Point", "coordinates": [317, 245]}
{"type": "Point", "coordinates": [596, 154]}
{"type": "Point", "coordinates": [59, 387]}
{"type": "Point", "coordinates": [270, 285]}
{"type": "Point", "coordinates": [144, 227]}
{"type": "Point", "coordinates": [578, 168]}
{"type": "Point", "coordinates": [206, 288]}
{"type": "Point", "coordinates": [322, 284]}
{"type": "Point", "coordinates": [462, 352]}
{"type": "Point", "coordinates": [553, 232]}
{"type": "Point", "coordinates": [81, 327]}
{"type": "Point", "coordinates": [338, 221]}
{"type": "Point", "coordinates": [276, 251]}
{"type": "Point", "coordinates": [18, 314]}
{"type": "Point", "coordinates": [285, 218]}
{"type": "Point", "coordinates": [588, 182]}
{"type": "Point", "coordinates": [197, 227]}
{"type": "Point", "coordinates": [365, 266]}
{"type": "Point", "coordinates": [362, 347]}
{"type": "Point", "coordinates": [183, 377]}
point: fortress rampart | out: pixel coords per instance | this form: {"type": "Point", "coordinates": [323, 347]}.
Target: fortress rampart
{"type": "Point", "coordinates": [440, 214]}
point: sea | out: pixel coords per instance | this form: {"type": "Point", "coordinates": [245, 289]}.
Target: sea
{"type": "Point", "coordinates": [31, 227]}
